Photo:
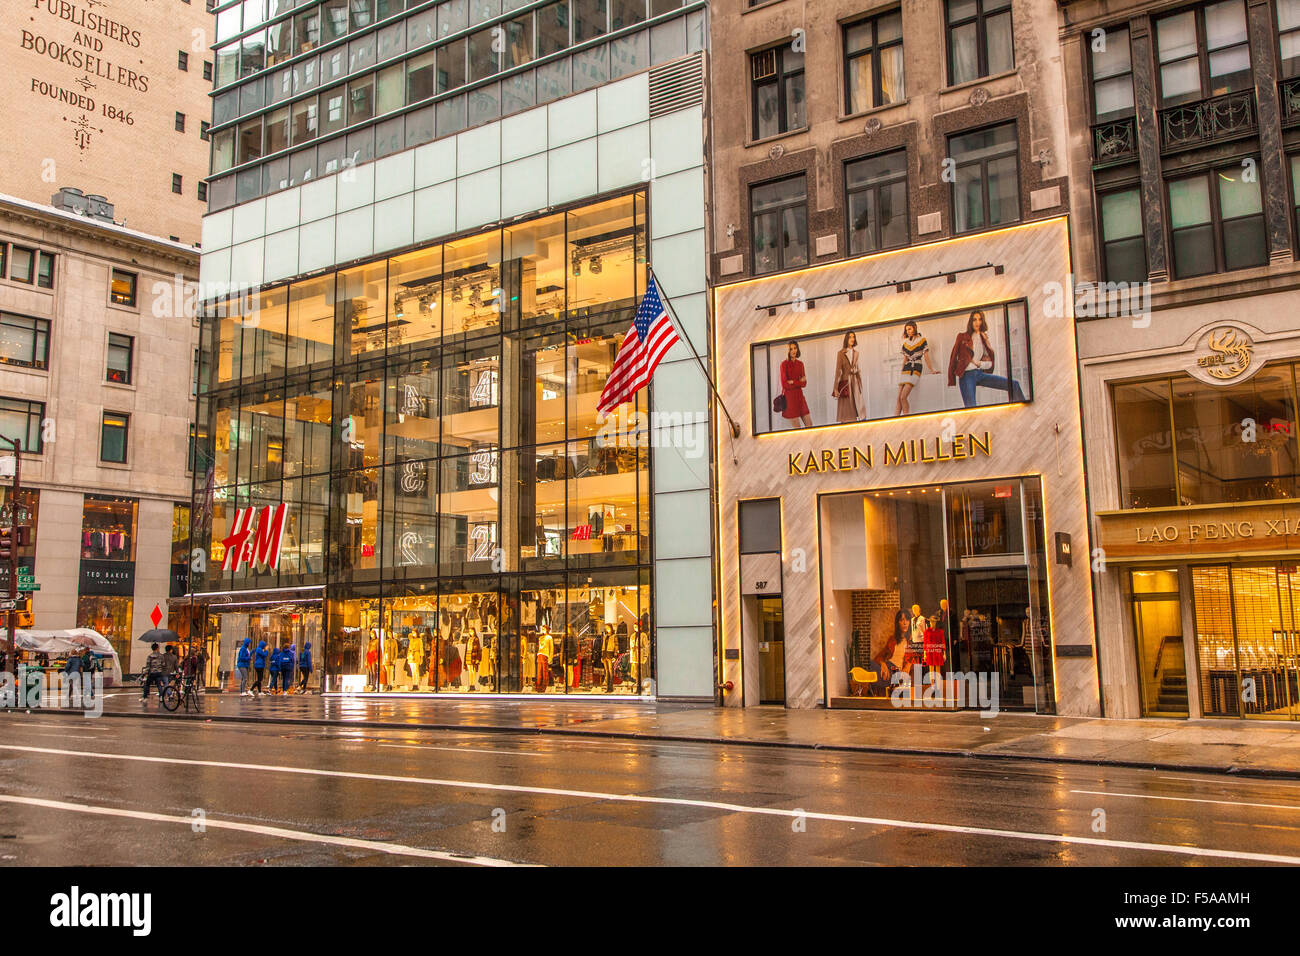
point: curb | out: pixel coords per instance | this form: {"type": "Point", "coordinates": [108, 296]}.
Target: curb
{"type": "Point", "coordinates": [1266, 773]}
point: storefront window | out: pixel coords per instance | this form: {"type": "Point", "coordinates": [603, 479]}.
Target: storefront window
{"type": "Point", "coordinates": [310, 336]}
{"type": "Point", "coordinates": [1229, 443]}
{"type": "Point", "coordinates": [537, 251]}
{"type": "Point", "coordinates": [472, 285]}
{"type": "Point", "coordinates": [969, 619]}
{"type": "Point", "coordinates": [606, 255]}
{"type": "Point", "coordinates": [1237, 443]}
{"type": "Point", "coordinates": [468, 501]}
{"type": "Point", "coordinates": [967, 359]}
{"type": "Point", "coordinates": [108, 528]}
{"type": "Point", "coordinates": [308, 418]}
{"type": "Point", "coordinates": [180, 563]}
{"type": "Point", "coordinates": [415, 282]}
{"type": "Point", "coordinates": [471, 397]}
{"type": "Point", "coordinates": [355, 645]}
{"type": "Point", "coordinates": [362, 308]}
{"type": "Point", "coordinates": [22, 508]}
{"type": "Point", "coordinates": [1144, 438]}
{"type": "Point", "coordinates": [111, 617]}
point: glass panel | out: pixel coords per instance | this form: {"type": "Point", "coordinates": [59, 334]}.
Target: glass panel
{"type": "Point", "coordinates": [362, 307]}
{"type": "Point", "coordinates": [1189, 202]}
{"type": "Point", "coordinates": [1001, 48]}
{"type": "Point", "coordinates": [467, 502]}
{"type": "Point", "coordinates": [310, 336]}
{"type": "Point", "coordinates": [472, 284]}
{"type": "Point", "coordinates": [603, 253]}
{"type": "Point", "coordinates": [1158, 627]}
{"type": "Point", "coordinates": [416, 283]}
{"type": "Point", "coordinates": [471, 395]}
{"type": "Point", "coordinates": [535, 252]}
{"type": "Point", "coordinates": [1215, 462]}
{"type": "Point", "coordinates": [308, 418]}
{"type": "Point", "coordinates": [412, 414]}
{"type": "Point", "coordinates": [553, 28]}
{"type": "Point", "coordinates": [1146, 455]}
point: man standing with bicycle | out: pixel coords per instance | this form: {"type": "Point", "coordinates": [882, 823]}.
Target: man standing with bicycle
{"type": "Point", "coordinates": [154, 673]}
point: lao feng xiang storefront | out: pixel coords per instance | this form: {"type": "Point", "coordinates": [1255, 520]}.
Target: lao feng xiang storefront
{"type": "Point", "coordinates": [1197, 520]}
{"type": "Point", "coordinates": [898, 528]}
{"type": "Point", "coordinates": [405, 467]}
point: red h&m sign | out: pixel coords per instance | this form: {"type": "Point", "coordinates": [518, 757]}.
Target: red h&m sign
{"type": "Point", "coordinates": [258, 549]}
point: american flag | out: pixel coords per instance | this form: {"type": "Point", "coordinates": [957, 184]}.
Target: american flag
{"type": "Point", "coordinates": [651, 336]}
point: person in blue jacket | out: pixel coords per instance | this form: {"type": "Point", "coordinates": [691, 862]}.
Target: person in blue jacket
{"type": "Point", "coordinates": [287, 659]}
{"type": "Point", "coordinates": [304, 668]}
{"type": "Point", "coordinates": [242, 662]}
{"type": "Point", "coordinates": [259, 667]}
{"type": "Point", "coordinates": [273, 665]}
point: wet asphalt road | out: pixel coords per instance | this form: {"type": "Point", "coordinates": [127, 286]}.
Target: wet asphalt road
{"type": "Point", "coordinates": [237, 794]}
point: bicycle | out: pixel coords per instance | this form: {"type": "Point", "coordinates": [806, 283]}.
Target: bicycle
{"type": "Point", "coordinates": [186, 691]}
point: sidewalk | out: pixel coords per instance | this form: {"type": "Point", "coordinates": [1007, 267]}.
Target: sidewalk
{"type": "Point", "coordinates": [1255, 748]}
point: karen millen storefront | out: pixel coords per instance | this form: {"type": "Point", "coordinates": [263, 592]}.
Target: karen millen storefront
{"type": "Point", "coordinates": [405, 467]}
{"type": "Point", "coordinates": [898, 527]}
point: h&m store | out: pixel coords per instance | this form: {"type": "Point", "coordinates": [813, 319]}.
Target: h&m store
{"type": "Point", "coordinates": [899, 524]}
{"type": "Point", "coordinates": [417, 439]}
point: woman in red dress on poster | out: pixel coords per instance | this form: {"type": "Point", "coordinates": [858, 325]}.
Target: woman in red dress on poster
{"type": "Point", "coordinates": [793, 382]}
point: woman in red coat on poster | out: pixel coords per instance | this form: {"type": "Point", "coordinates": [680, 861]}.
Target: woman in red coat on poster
{"type": "Point", "coordinates": [793, 382]}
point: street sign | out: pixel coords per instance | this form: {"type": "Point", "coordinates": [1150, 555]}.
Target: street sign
{"type": "Point", "coordinates": [8, 605]}
{"type": "Point", "coordinates": [28, 586]}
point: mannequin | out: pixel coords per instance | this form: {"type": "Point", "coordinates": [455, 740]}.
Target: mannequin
{"type": "Point", "coordinates": [545, 651]}
{"type": "Point", "coordinates": [372, 661]}
{"type": "Point", "coordinates": [918, 626]}
{"type": "Point", "coordinates": [527, 662]}
{"type": "Point", "coordinates": [393, 664]}
{"type": "Point", "coordinates": [415, 654]}
{"type": "Point", "coordinates": [490, 663]}
{"type": "Point", "coordinates": [474, 648]}
{"type": "Point", "coordinates": [609, 655]}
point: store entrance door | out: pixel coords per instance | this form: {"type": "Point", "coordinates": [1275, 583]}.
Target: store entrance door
{"type": "Point", "coordinates": [995, 632]}
{"type": "Point", "coordinates": [771, 651]}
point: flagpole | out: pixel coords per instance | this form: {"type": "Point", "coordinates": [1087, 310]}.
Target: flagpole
{"type": "Point", "coordinates": [735, 428]}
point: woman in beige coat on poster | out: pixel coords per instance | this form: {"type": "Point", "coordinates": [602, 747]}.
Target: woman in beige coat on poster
{"type": "Point", "coordinates": [848, 382]}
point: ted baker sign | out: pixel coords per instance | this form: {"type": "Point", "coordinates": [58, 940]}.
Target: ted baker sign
{"type": "Point", "coordinates": [255, 538]}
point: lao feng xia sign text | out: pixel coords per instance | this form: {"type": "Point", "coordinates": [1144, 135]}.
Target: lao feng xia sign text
{"type": "Point", "coordinates": [910, 451]}
{"type": "Point", "coordinates": [1228, 529]}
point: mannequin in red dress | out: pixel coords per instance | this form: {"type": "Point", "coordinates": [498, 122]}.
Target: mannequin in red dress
{"type": "Point", "coordinates": [793, 382]}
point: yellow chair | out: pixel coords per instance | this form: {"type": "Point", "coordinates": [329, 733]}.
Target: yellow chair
{"type": "Point", "coordinates": [860, 681]}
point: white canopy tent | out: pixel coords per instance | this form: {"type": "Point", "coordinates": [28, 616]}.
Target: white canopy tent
{"type": "Point", "coordinates": [76, 639]}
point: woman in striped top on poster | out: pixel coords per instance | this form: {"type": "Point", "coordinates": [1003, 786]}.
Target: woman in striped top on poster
{"type": "Point", "coordinates": [916, 351]}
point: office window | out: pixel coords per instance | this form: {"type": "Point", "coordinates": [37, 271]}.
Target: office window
{"type": "Point", "coordinates": [180, 122]}
{"type": "Point", "coordinates": [203, 192]}
{"type": "Point", "coordinates": [1216, 222]}
{"type": "Point", "coordinates": [121, 352]}
{"type": "Point", "coordinates": [1288, 30]}
{"type": "Point", "coordinates": [4, 259]}
{"type": "Point", "coordinates": [979, 39]}
{"type": "Point", "coordinates": [1112, 75]}
{"type": "Point", "coordinates": [778, 219]}
{"type": "Point", "coordinates": [112, 437]}
{"type": "Point", "coordinates": [1203, 52]}
{"type": "Point", "coordinates": [176, 183]}
{"type": "Point", "coordinates": [207, 70]}
{"type": "Point", "coordinates": [1123, 243]}
{"type": "Point", "coordinates": [204, 127]}
{"type": "Point", "coordinates": [45, 270]}
{"type": "Point", "coordinates": [873, 62]}
{"type": "Point", "coordinates": [123, 288]}
{"type": "Point", "coordinates": [24, 341]}
{"type": "Point", "coordinates": [22, 264]}
{"type": "Point", "coordinates": [876, 200]}
{"type": "Point", "coordinates": [21, 419]}
{"type": "Point", "coordinates": [182, 60]}
{"type": "Point", "coordinates": [987, 189]}
{"type": "Point", "coordinates": [190, 448]}
{"type": "Point", "coordinates": [778, 103]}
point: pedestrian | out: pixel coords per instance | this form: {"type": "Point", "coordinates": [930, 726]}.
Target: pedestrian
{"type": "Point", "coordinates": [273, 665]}
{"type": "Point", "coordinates": [287, 661]}
{"type": "Point", "coordinates": [242, 662]}
{"type": "Point", "coordinates": [153, 673]}
{"type": "Point", "coordinates": [171, 663]}
{"type": "Point", "coordinates": [259, 668]}
{"type": "Point", "coordinates": [304, 667]}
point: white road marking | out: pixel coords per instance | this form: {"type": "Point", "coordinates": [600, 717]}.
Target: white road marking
{"type": "Point", "coordinates": [1224, 803]}
{"type": "Point", "coordinates": [35, 723]}
{"type": "Point", "coordinates": [469, 751]}
{"type": "Point", "coordinates": [683, 802]}
{"type": "Point", "coordinates": [378, 846]}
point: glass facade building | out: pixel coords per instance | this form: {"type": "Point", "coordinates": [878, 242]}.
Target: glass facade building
{"type": "Point", "coordinates": [457, 510]}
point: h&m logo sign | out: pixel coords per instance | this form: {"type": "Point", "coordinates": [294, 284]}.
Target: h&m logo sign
{"type": "Point", "coordinates": [255, 546]}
